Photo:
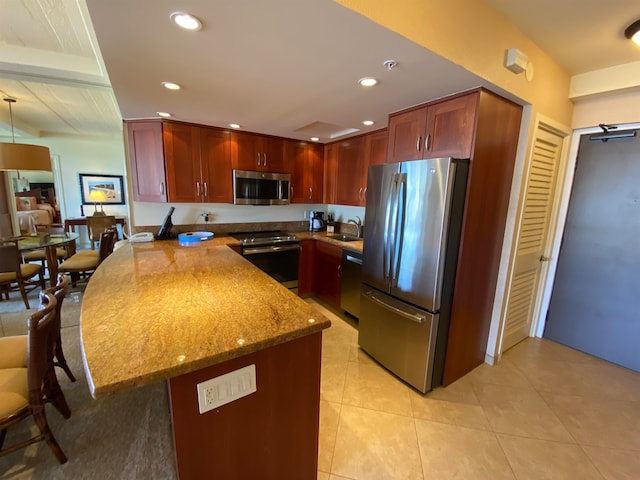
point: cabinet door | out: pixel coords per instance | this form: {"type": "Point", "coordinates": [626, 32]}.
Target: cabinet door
{"type": "Point", "coordinates": [406, 136]}
{"type": "Point", "coordinates": [272, 157]}
{"type": "Point", "coordinates": [307, 268]}
{"type": "Point", "coordinates": [297, 153]}
{"type": "Point", "coordinates": [450, 127]}
{"type": "Point", "coordinates": [315, 169]}
{"type": "Point", "coordinates": [146, 156]}
{"type": "Point", "coordinates": [350, 167]}
{"type": "Point", "coordinates": [245, 151]}
{"type": "Point", "coordinates": [215, 157]}
{"type": "Point", "coordinates": [330, 173]}
{"type": "Point", "coordinates": [329, 267]}
{"type": "Point", "coordinates": [182, 154]}
{"type": "Point", "coordinates": [375, 154]}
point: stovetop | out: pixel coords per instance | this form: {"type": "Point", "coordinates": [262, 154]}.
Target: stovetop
{"type": "Point", "coordinates": [264, 238]}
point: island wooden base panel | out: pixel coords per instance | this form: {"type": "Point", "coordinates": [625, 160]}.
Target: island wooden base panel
{"type": "Point", "coordinates": [270, 434]}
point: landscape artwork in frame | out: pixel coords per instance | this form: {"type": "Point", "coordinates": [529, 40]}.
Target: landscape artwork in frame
{"type": "Point", "coordinates": [110, 185]}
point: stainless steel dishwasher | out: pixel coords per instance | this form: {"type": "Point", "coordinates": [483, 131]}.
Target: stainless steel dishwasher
{"type": "Point", "coordinates": [351, 279]}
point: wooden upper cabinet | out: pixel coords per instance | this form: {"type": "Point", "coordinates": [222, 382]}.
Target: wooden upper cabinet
{"type": "Point", "coordinates": [451, 125]}
{"type": "Point", "coordinates": [406, 135]}
{"type": "Point", "coordinates": [146, 156]}
{"type": "Point", "coordinates": [442, 129]}
{"type": "Point", "coordinates": [350, 186]}
{"type": "Point", "coordinates": [307, 171]}
{"type": "Point", "coordinates": [215, 158]}
{"type": "Point", "coordinates": [259, 153]}
{"type": "Point", "coordinates": [352, 158]}
{"type": "Point", "coordinates": [330, 173]}
{"type": "Point", "coordinates": [198, 163]}
{"type": "Point", "coordinates": [182, 157]}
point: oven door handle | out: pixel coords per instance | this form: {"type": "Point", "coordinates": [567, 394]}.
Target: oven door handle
{"type": "Point", "coordinates": [269, 249]}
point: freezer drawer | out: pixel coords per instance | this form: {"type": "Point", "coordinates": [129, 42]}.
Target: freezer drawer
{"type": "Point", "coordinates": [399, 336]}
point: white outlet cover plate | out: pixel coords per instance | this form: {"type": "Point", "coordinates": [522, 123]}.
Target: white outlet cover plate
{"type": "Point", "coordinates": [226, 388]}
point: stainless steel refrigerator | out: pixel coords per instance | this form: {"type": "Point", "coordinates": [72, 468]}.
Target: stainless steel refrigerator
{"type": "Point", "coordinates": [411, 237]}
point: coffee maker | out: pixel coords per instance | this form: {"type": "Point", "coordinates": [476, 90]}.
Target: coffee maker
{"type": "Point", "coordinates": [316, 221]}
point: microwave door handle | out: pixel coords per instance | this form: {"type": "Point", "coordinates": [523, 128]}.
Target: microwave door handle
{"type": "Point", "coordinates": [398, 236]}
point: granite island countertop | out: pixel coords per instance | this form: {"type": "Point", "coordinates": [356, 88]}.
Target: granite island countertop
{"type": "Point", "coordinates": [157, 310]}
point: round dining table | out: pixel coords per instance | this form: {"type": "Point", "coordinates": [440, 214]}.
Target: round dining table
{"type": "Point", "coordinates": [49, 242]}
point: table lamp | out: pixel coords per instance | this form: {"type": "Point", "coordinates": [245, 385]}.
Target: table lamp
{"type": "Point", "coordinates": [97, 196]}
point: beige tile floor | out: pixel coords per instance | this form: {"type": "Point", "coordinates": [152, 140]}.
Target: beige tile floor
{"type": "Point", "coordinates": [544, 412]}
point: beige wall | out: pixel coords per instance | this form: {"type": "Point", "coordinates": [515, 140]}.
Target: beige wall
{"type": "Point", "coordinates": [623, 108]}
{"type": "Point", "coordinates": [473, 35]}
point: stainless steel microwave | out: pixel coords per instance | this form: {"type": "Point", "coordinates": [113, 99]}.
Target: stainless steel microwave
{"type": "Point", "coordinates": [260, 188]}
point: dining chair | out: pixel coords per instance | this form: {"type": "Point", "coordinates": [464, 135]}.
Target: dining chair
{"type": "Point", "coordinates": [15, 275]}
{"type": "Point", "coordinates": [28, 381]}
{"type": "Point", "coordinates": [59, 291]}
{"type": "Point", "coordinates": [85, 262]}
{"type": "Point", "coordinates": [97, 224]}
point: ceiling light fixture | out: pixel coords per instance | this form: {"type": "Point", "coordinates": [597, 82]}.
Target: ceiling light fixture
{"type": "Point", "coordinates": [234, 125]}
{"type": "Point", "coordinates": [368, 123]}
{"type": "Point", "coordinates": [171, 86]}
{"type": "Point", "coordinates": [164, 114]}
{"type": "Point", "coordinates": [186, 21]}
{"type": "Point", "coordinates": [368, 81]}
{"type": "Point", "coordinates": [315, 139]}
{"type": "Point", "coordinates": [18, 156]}
{"type": "Point", "coordinates": [632, 32]}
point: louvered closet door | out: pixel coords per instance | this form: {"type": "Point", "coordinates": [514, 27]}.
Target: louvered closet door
{"type": "Point", "coordinates": [532, 236]}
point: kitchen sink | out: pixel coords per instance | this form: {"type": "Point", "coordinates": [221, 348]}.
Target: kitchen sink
{"type": "Point", "coordinates": [344, 238]}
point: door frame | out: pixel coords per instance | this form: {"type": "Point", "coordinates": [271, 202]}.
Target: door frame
{"type": "Point", "coordinates": [539, 321]}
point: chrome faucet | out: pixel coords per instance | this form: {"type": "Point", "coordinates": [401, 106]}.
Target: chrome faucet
{"type": "Point", "coordinates": [358, 225]}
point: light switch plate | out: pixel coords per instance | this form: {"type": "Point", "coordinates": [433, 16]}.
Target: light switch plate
{"type": "Point", "coordinates": [226, 388]}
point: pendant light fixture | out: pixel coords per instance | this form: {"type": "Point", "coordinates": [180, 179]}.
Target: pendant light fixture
{"type": "Point", "coordinates": [632, 32]}
{"type": "Point", "coordinates": [19, 156]}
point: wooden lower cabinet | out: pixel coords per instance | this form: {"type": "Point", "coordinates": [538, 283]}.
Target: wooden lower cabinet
{"type": "Point", "coordinates": [307, 284]}
{"type": "Point", "coordinates": [329, 272]}
{"type": "Point", "coordinates": [270, 434]}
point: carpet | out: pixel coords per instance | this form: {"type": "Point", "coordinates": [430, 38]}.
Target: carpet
{"type": "Point", "coordinates": [122, 436]}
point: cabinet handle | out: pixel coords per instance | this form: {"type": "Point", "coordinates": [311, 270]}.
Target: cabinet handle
{"type": "Point", "coordinates": [364, 194]}
{"type": "Point", "coordinates": [161, 188]}
{"type": "Point", "coordinates": [310, 193]}
{"type": "Point", "coordinates": [419, 143]}
{"type": "Point", "coordinates": [206, 190]}
{"type": "Point", "coordinates": [264, 159]}
{"type": "Point", "coordinates": [258, 158]}
{"type": "Point", "coordinates": [360, 194]}
{"type": "Point", "coordinates": [426, 142]}
{"type": "Point", "coordinates": [197, 189]}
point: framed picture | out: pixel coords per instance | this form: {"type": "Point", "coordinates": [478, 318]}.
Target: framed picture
{"type": "Point", "coordinates": [110, 185]}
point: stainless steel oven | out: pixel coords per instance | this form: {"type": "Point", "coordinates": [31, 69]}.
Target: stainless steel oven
{"type": "Point", "coordinates": [275, 253]}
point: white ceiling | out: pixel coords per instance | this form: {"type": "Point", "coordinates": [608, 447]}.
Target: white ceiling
{"type": "Point", "coordinates": [274, 67]}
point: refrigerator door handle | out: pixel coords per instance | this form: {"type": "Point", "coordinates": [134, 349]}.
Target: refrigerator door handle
{"type": "Point", "coordinates": [409, 316]}
{"type": "Point", "coordinates": [401, 206]}
{"type": "Point", "coordinates": [386, 251]}
{"type": "Point", "coordinates": [394, 229]}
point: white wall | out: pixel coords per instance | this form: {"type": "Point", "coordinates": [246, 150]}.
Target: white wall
{"type": "Point", "coordinates": [84, 155]}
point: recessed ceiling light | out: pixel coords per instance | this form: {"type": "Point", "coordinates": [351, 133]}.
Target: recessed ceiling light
{"type": "Point", "coordinates": [368, 123]}
{"type": "Point", "coordinates": [234, 125]}
{"type": "Point", "coordinates": [186, 21]}
{"type": "Point", "coordinates": [368, 81]}
{"type": "Point", "coordinates": [171, 86]}
{"type": "Point", "coordinates": [315, 139]}
{"type": "Point", "coordinates": [632, 32]}
{"type": "Point", "coordinates": [164, 114]}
